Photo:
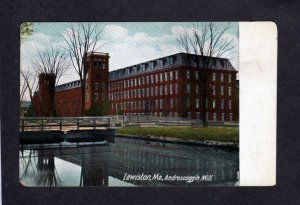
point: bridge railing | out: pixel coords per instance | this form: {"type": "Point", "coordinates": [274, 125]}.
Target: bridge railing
{"type": "Point", "coordinates": [42, 123]}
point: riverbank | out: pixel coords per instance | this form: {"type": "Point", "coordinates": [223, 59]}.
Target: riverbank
{"type": "Point", "coordinates": [212, 136]}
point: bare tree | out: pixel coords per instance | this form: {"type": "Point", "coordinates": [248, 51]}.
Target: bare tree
{"type": "Point", "coordinates": [208, 40]}
{"type": "Point", "coordinates": [53, 62]}
{"type": "Point", "coordinates": [82, 39]}
{"type": "Point", "coordinates": [28, 82]}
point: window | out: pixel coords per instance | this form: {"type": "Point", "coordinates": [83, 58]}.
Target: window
{"type": "Point", "coordinates": [171, 89]}
{"type": "Point", "coordinates": [162, 62]}
{"type": "Point", "coordinates": [214, 104]}
{"type": "Point", "coordinates": [147, 92]}
{"type": "Point", "coordinates": [171, 75]}
{"type": "Point", "coordinates": [222, 90]}
{"type": "Point", "coordinates": [223, 117]}
{"type": "Point", "coordinates": [143, 104]}
{"type": "Point", "coordinates": [196, 75]}
{"type": "Point", "coordinates": [229, 91]}
{"type": "Point", "coordinates": [151, 79]}
{"type": "Point", "coordinates": [151, 91]}
{"type": "Point", "coordinates": [222, 77]}
{"type": "Point", "coordinates": [171, 60]}
{"type": "Point", "coordinates": [161, 77]}
{"type": "Point", "coordinates": [206, 103]}
{"type": "Point", "coordinates": [222, 104]}
{"type": "Point", "coordinates": [214, 76]}
{"type": "Point", "coordinates": [166, 90]}
{"type": "Point", "coordinates": [147, 79]}
{"type": "Point", "coordinates": [229, 104]}
{"type": "Point", "coordinates": [197, 103]}
{"type": "Point", "coordinates": [188, 103]}
{"type": "Point", "coordinates": [96, 96]}
{"type": "Point", "coordinates": [197, 115]}
{"type": "Point", "coordinates": [197, 89]}
{"type": "Point", "coordinates": [156, 90]}
{"type": "Point", "coordinates": [214, 90]}
{"type": "Point", "coordinates": [156, 78]}
{"type": "Point", "coordinates": [188, 74]}
{"type": "Point", "coordinates": [176, 88]}
{"type": "Point", "coordinates": [161, 104]}
{"type": "Point", "coordinates": [160, 90]}
{"type": "Point", "coordinates": [166, 76]}
{"type": "Point", "coordinates": [151, 65]}
{"type": "Point", "coordinates": [176, 74]}
{"type": "Point", "coordinates": [102, 86]}
{"type": "Point", "coordinates": [215, 116]}
{"type": "Point", "coordinates": [171, 103]}
{"type": "Point", "coordinates": [100, 64]}
{"type": "Point", "coordinates": [189, 115]}
{"type": "Point", "coordinates": [95, 63]}
{"type": "Point", "coordinates": [188, 88]}
{"type": "Point", "coordinates": [229, 78]}
{"type": "Point", "coordinates": [230, 116]}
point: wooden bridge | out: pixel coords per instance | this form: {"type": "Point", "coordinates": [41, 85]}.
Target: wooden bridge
{"type": "Point", "coordinates": [63, 123]}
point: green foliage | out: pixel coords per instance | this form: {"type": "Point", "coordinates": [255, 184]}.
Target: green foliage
{"type": "Point", "coordinates": [95, 110]}
{"type": "Point", "coordinates": [222, 134]}
{"type": "Point", "coordinates": [105, 107]}
{"type": "Point", "coordinates": [98, 109]}
{"type": "Point", "coordinates": [25, 30]}
{"type": "Point", "coordinates": [30, 111]}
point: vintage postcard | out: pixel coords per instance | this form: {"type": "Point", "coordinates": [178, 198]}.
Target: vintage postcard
{"type": "Point", "coordinates": [146, 104]}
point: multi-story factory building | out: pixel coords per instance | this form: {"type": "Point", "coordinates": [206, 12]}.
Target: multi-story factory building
{"type": "Point", "coordinates": [168, 86]}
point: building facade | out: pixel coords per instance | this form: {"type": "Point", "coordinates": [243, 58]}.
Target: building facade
{"type": "Point", "coordinates": [168, 86]}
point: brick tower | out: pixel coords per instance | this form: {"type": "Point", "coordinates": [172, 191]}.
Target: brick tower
{"type": "Point", "coordinates": [46, 93]}
{"type": "Point", "coordinates": [97, 79]}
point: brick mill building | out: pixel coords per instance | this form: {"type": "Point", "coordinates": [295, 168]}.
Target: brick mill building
{"type": "Point", "coordinates": [168, 86]}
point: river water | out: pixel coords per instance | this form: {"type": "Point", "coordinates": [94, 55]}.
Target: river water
{"type": "Point", "coordinates": [129, 162]}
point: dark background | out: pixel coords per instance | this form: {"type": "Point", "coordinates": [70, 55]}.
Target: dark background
{"type": "Point", "coordinates": [284, 13]}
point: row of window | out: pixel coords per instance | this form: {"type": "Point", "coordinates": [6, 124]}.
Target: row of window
{"type": "Point", "coordinates": [145, 105]}
{"type": "Point", "coordinates": [99, 64]}
{"type": "Point", "coordinates": [189, 115]}
{"type": "Point", "coordinates": [144, 67]}
{"type": "Point", "coordinates": [96, 96]}
{"type": "Point", "coordinates": [197, 90]}
{"type": "Point", "coordinates": [96, 86]}
{"type": "Point", "coordinates": [144, 80]}
{"type": "Point", "coordinates": [221, 90]}
{"type": "Point", "coordinates": [145, 92]}
{"type": "Point", "coordinates": [213, 103]}
{"type": "Point", "coordinates": [215, 116]}
{"type": "Point", "coordinates": [214, 77]}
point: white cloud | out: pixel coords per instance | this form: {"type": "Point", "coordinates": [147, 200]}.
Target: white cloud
{"type": "Point", "coordinates": [115, 31]}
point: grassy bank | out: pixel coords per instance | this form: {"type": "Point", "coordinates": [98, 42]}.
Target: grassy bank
{"type": "Point", "coordinates": [221, 134]}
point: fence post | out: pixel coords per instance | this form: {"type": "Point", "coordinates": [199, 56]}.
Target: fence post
{"type": "Point", "coordinates": [23, 125]}
{"type": "Point", "coordinates": [77, 123]}
{"type": "Point", "coordinates": [94, 120]}
{"type": "Point", "coordinates": [60, 124]}
{"type": "Point", "coordinates": [42, 128]}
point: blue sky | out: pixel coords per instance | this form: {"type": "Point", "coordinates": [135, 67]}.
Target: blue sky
{"type": "Point", "coordinates": [129, 43]}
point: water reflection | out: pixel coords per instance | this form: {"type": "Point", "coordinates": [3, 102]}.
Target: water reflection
{"type": "Point", "coordinates": [107, 165]}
